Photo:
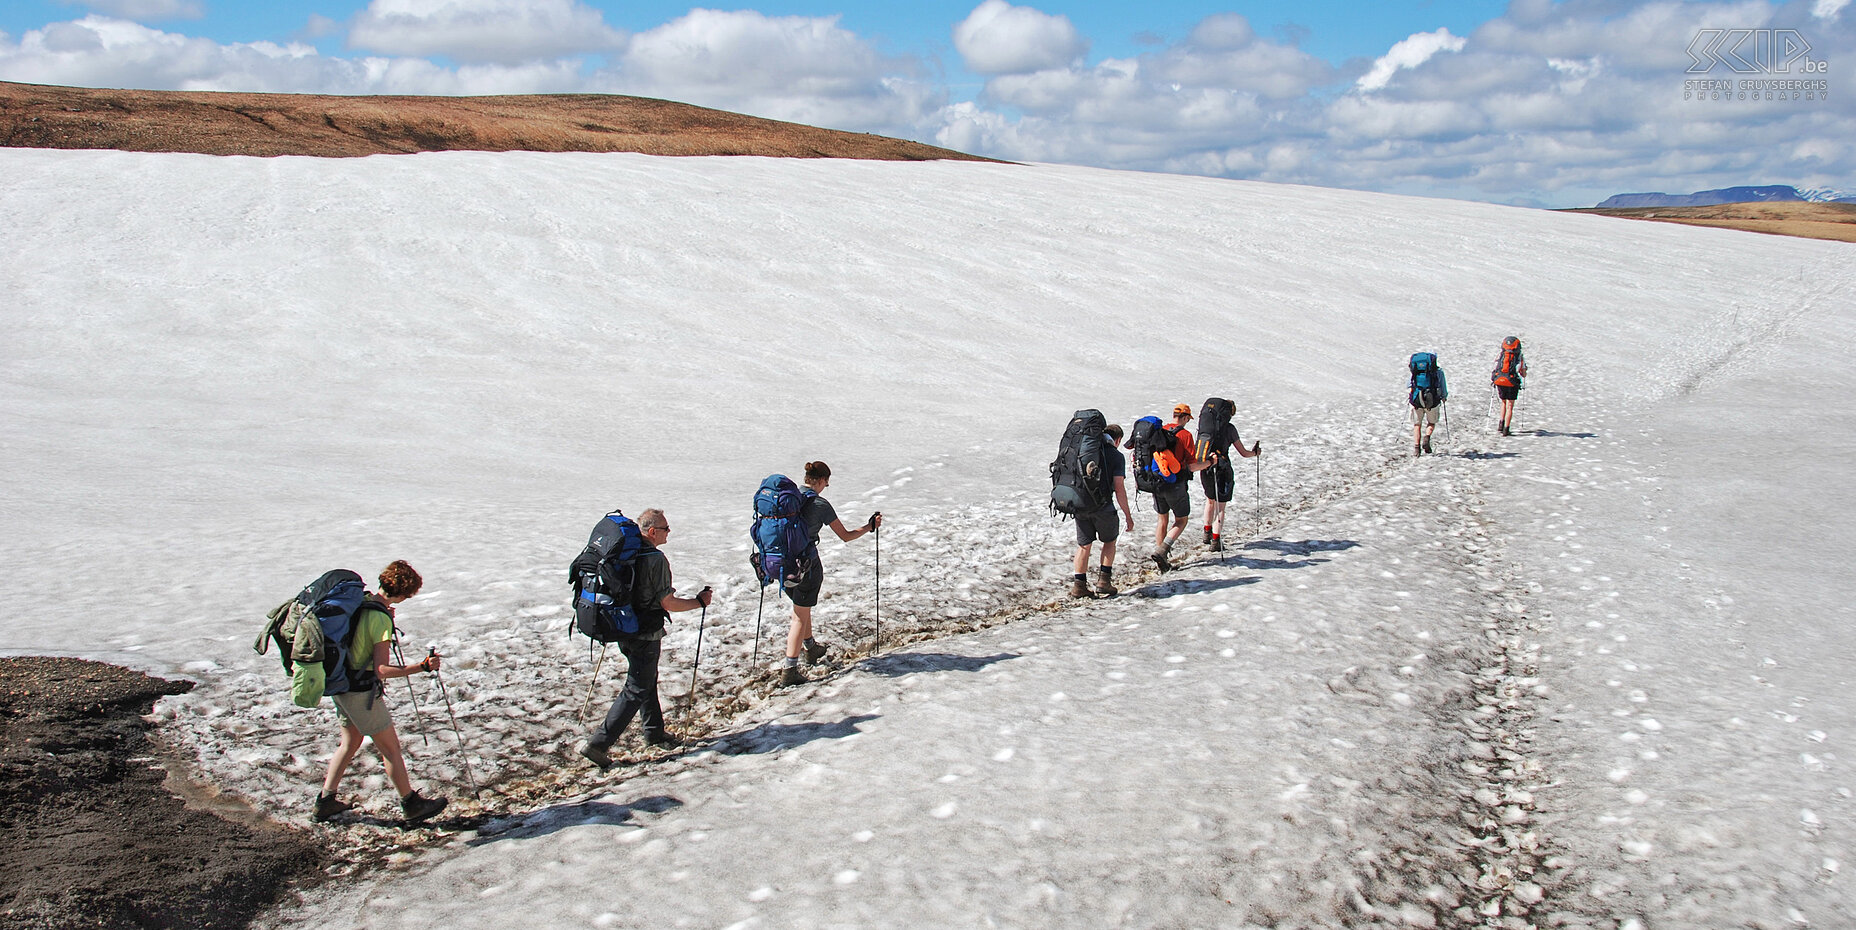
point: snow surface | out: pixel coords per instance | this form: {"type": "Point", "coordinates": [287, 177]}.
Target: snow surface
{"type": "Point", "coordinates": [1593, 675]}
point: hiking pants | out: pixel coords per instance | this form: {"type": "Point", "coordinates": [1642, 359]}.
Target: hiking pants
{"type": "Point", "coordinates": [638, 697]}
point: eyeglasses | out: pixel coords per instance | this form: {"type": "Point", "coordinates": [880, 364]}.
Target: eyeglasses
{"type": "Point", "coordinates": [664, 528]}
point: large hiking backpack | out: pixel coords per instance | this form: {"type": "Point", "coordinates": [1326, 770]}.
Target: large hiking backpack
{"type": "Point", "coordinates": [1427, 381]}
{"type": "Point", "coordinates": [783, 544]}
{"type": "Point", "coordinates": [1147, 440]}
{"type": "Point", "coordinates": [602, 576]}
{"type": "Point", "coordinates": [1214, 420]}
{"type": "Point", "coordinates": [314, 632]}
{"type": "Point", "coordinates": [1079, 476]}
{"type": "Point", "coordinates": [1507, 371]}
{"type": "Point", "coordinates": [1156, 454]}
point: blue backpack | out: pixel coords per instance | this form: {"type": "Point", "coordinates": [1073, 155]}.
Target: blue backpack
{"type": "Point", "coordinates": [602, 578]}
{"type": "Point", "coordinates": [314, 633]}
{"type": "Point", "coordinates": [783, 544]}
{"type": "Point", "coordinates": [1427, 381]}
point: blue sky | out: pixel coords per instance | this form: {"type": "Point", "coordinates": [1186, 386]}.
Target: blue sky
{"type": "Point", "coordinates": [1543, 102]}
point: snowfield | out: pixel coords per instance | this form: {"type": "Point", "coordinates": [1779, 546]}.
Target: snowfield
{"type": "Point", "coordinates": [1594, 675]}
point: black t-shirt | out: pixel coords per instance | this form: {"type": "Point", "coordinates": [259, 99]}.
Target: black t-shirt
{"type": "Point", "coordinates": [818, 514]}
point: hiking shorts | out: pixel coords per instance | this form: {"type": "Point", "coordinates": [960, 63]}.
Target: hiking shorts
{"type": "Point", "coordinates": [364, 710]}
{"type": "Point", "coordinates": [1218, 482]}
{"type": "Point", "coordinates": [1174, 499]}
{"type": "Point", "coordinates": [1510, 392]}
{"type": "Point", "coordinates": [1421, 415]}
{"type": "Point", "coordinates": [1102, 526]}
{"type": "Point", "coordinates": [806, 593]}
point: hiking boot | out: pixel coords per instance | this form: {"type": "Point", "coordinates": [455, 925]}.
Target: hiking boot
{"type": "Point", "coordinates": [1160, 559]}
{"type": "Point", "coordinates": [596, 755]}
{"type": "Point", "coordinates": [1427, 445]}
{"type": "Point", "coordinates": [661, 740]}
{"type": "Point", "coordinates": [789, 676]}
{"type": "Point", "coordinates": [1104, 587]}
{"type": "Point", "coordinates": [1209, 538]}
{"type": "Point", "coordinates": [1217, 544]}
{"type": "Point", "coordinates": [328, 807]}
{"type": "Point", "coordinates": [1079, 586]}
{"type": "Point", "coordinates": [1417, 449]}
{"type": "Point", "coordinates": [419, 808]}
{"type": "Point", "coordinates": [814, 652]}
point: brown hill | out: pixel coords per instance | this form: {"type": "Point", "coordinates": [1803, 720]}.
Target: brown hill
{"type": "Point", "coordinates": [1835, 221]}
{"type": "Point", "coordinates": [39, 116]}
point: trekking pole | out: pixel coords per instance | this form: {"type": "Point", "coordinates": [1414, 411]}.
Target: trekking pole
{"type": "Point", "coordinates": [876, 639]}
{"type": "Point", "coordinates": [757, 611]}
{"type": "Point", "coordinates": [690, 702]}
{"type": "Point", "coordinates": [399, 658]}
{"type": "Point", "coordinates": [591, 682]}
{"type": "Point", "coordinates": [1449, 437]}
{"type": "Point", "coordinates": [1259, 493]}
{"type": "Point", "coordinates": [463, 756]}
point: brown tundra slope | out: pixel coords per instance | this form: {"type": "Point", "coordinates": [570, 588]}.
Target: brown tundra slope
{"type": "Point", "coordinates": [211, 123]}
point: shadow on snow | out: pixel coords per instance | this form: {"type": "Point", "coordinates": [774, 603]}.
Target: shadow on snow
{"type": "Point", "coordinates": [772, 737]}
{"type": "Point", "coordinates": [1193, 586]}
{"type": "Point", "coordinates": [897, 664]}
{"type": "Point", "coordinates": [561, 816]}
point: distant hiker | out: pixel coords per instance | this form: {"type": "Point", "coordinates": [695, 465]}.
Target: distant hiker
{"type": "Point", "coordinates": [1100, 525]}
{"type": "Point", "coordinates": [363, 708]}
{"type": "Point", "coordinates": [817, 513]}
{"type": "Point", "coordinates": [1174, 499]}
{"type": "Point", "coordinates": [653, 600]}
{"type": "Point", "coordinates": [1510, 368]}
{"type": "Point", "coordinates": [1217, 437]}
{"type": "Point", "coordinates": [1428, 395]}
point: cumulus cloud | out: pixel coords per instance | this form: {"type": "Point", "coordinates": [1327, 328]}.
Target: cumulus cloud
{"type": "Point", "coordinates": [1828, 9]}
{"type": "Point", "coordinates": [483, 31]}
{"type": "Point", "coordinates": [98, 51]}
{"type": "Point", "coordinates": [797, 68]}
{"type": "Point", "coordinates": [999, 38]}
{"type": "Point", "coordinates": [1409, 52]}
{"type": "Point", "coordinates": [144, 10]}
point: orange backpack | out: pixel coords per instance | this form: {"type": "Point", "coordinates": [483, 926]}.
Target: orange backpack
{"type": "Point", "coordinates": [1510, 367]}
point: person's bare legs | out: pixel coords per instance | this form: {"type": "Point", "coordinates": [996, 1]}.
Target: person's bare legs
{"type": "Point", "coordinates": [798, 631]}
{"type": "Point", "coordinates": [387, 743]}
{"type": "Point", "coordinates": [344, 756]}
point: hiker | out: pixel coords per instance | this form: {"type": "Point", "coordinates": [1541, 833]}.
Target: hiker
{"type": "Point", "coordinates": [817, 514]}
{"type": "Point", "coordinates": [653, 600]}
{"type": "Point", "coordinates": [1101, 525]}
{"type": "Point", "coordinates": [1217, 436]}
{"type": "Point", "coordinates": [1510, 369]}
{"type": "Point", "coordinates": [1174, 500]}
{"type": "Point", "coordinates": [364, 710]}
{"type": "Point", "coordinates": [1428, 396]}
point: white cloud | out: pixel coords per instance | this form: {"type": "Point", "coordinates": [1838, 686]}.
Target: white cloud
{"type": "Point", "coordinates": [802, 69]}
{"type": "Point", "coordinates": [1409, 52]}
{"type": "Point", "coordinates": [144, 10]}
{"type": "Point", "coordinates": [999, 38]}
{"type": "Point", "coordinates": [1828, 9]}
{"type": "Point", "coordinates": [101, 52]}
{"type": "Point", "coordinates": [483, 31]}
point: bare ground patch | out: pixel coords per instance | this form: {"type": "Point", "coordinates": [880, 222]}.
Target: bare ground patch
{"type": "Point", "coordinates": [1833, 221]}
{"type": "Point", "coordinates": [209, 123]}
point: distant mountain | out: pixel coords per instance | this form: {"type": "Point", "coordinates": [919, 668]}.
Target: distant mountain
{"type": "Point", "coordinates": [1728, 195]}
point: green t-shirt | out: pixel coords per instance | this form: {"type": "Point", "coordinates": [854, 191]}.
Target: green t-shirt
{"type": "Point", "coordinates": [372, 627]}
